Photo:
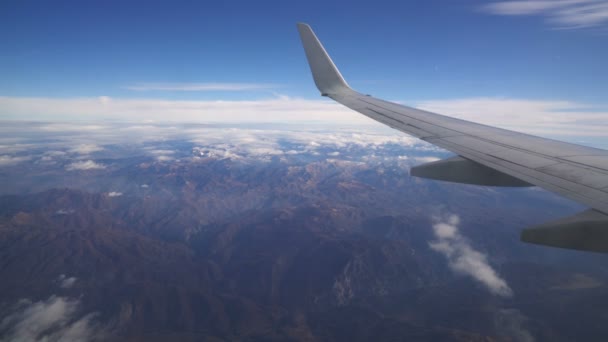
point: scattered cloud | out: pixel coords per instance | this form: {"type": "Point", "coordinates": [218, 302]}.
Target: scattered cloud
{"type": "Point", "coordinates": [52, 320]}
{"type": "Point", "coordinates": [66, 282]}
{"type": "Point", "coordinates": [201, 86]}
{"type": "Point", "coordinates": [164, 158]}
{"type": "Point", "coordinates": [510, 324]}
{"type": "Point", "coordinates": [161, 152]}
{"type": "Point", "coordinates": [64, 212]}
{"type": "Point", "coordinates": [563, 14]}
{"type": "Point", "coordinates": [263, 145]}
{"type": "Point", "coordinates": [86, 148]}
{"type": "Point", "coordinates": [145, 186]}
{"type": "Point", "coordinates": [84, 165]}
{"type": "Point", "coordinates": [114, 194]}
{"type": "Point", "coordinates": [6, 160]}
{"type": "Point", "coordinates": [464, 259]}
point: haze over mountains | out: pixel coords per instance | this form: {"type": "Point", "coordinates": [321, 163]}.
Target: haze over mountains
{"type": "Point", "coordinates": [159, 232]}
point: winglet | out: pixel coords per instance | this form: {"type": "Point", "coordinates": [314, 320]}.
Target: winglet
{"type": "Point", "coordinates": [327, 77]}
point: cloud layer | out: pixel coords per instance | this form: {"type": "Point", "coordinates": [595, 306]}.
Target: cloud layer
{"type": "Point", "coordinates": [52, 320]}
{"type": "Point", "coordinates": [564, 118]}
{"type": "Point", "coordinates": [201, 86]}
{"type": "Point", "coordinates": [464, 259]}
{"type": "Point", "coordinates": [544, 117]}
{"type": "Point", "coordinates": [565, 14]}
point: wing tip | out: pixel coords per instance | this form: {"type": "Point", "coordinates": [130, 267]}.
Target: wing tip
{"type": "Point", "coordinates": [326, 75]}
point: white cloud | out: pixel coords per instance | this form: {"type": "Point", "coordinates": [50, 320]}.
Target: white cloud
{"type": "Point", "coordinates": [510, 324]}
{"type": "Point", "coordinates": [569, 14]}
{"type": "Point", "coordinates": [86, 149]}
{"type": "Point", "coordinates": [277, 110]}
{"type": "Point", "coordinates": [541, 117]}
{"type": "Point", "coordinates": [6, 160]}
{"type": "Point", "coordinates": [52, 320]}
{"type": "Point", "coordinates": [262, 145]}
{"type": "Point", "coordinates": [114, 194]}
{"type": "Point", "coordinates": [530, 116]}
{"type": "Point", "coordinates": [161, 152]}
{"type": "Point", "coordinates": [66, 282]}
{"type": "Point", "coordinates": [67, 127]}
{"type": "Point", "coordinates": [463, 259]}
{"type": "Point", "coordinates": [201, 86]}
{"type": "Point", "coordinates": [84, 165]}
{"type": "Point", "coordinates": [164, 158]}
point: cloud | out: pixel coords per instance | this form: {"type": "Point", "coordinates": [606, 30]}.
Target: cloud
{"type": "Point", "coordinates": [66, 127]}
{"type": "Point", "coordinates": [564, 14]}
{"type": "Point", "coordinates": [86, 148]}
{"type": "Point", "coordinates": [6, 160]}
{"type": "Point", "coordinates": [164, 158]}
{"type": "Point", "coordinates": [114, 194]}
{"type": "Point", "coordinates": [52, 320]}
{"type": "Point", "coordinates": [66, 282]}
{"type": "Point", "coordinates": [463, 259]}
{"type": "Point", "coordinates": [84, 165]}
{"type": "Point", "coordinates": [274, 110]}
{"type": "Point", "coordinates": [263, 145]}
{"type": "Point", "coordinates": [161, 152]}
{"type": "Point", "coordinates": [200, 87]}
{"type": "Point", "coordinates": [543, 117]}
{"type": "Point", "coordinates": [510, 323]}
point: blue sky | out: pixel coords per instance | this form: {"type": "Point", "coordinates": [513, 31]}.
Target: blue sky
{"type": "Point", "coordinates": [413, 51]}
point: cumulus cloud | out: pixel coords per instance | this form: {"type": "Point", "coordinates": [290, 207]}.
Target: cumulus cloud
{"type": "Point", "coordinates": [86, 148]}
{"type": "Point", "coordinates": [163, 158]}
{"type": "Point", "coordinates": [66, 282]}
{"type": "Point", "coordinates": [568, 14]}
{"type": "Point", "coordinates": [52, 320]}
{"type": "Point", "coordinates": [84, 165]}
{"type": "Point", "coordinates": [114, 194]}
{"type": "Point", "coordinates": [510, 323]}
{"type": "Point", "coordinates": [463, 258]}
{"type": "Point", "coordinates": [201, 86]}
{"type": "Point", "coordinates": [7, 160]}
{"type": "Point", "coordinates": [161, 152]}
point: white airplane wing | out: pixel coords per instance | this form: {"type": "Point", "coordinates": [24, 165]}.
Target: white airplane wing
{"type": "Point", "coordinates": [489, 156]}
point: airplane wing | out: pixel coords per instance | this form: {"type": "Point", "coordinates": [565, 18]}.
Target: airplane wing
{"type": "Point", "coordinates": [489, 156]}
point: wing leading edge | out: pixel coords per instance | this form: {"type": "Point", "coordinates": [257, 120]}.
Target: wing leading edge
{"type": "Point", "coordinates": [488, 155]}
